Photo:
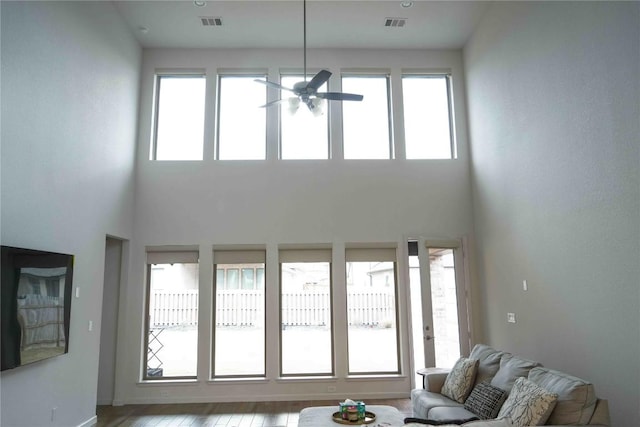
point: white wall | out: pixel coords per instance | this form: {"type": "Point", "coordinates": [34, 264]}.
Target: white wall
{"type": "Point", "coordinates": [275, 202]}
{"type": "Point", "coordinates": [554, 94]}
{"type": "Point", "coordinates": [70, 84]}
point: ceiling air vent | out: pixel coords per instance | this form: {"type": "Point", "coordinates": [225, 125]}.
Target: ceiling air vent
{"type": "Point", "coordinates": [211, 21]}
{"type": "Point", "coordinates": [395, 22]}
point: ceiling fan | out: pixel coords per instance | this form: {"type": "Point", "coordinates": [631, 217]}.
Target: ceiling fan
{"type": "Point", "coordinates": [307, 91]}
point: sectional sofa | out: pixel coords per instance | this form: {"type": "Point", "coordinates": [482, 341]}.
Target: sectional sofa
{"type": "Point", "coordinates": [490, 377]}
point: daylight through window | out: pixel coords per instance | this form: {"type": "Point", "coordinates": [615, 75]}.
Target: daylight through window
{"type": "Point", "coordinates": [172, 315]}
{"type": "Point", "coordinates": [366, 129]}
{"type": "Point", "coordinates": [179, 132]}
{"type": "Point", "coordinates": [305, 302]}
{"type": "Point", "coordinates": [242, 126]}
{"type": "Point", "coordinates": [239, 335]}
{"type": "Point", "coordinates": [371, 310]}
{"type": "Point", "coordinates": [302, 135]}
{"type": "Point", "coordinates": [427, 117]}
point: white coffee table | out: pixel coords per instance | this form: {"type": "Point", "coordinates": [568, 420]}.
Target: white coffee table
{"type": "Point", "coordinates": [321, 416]}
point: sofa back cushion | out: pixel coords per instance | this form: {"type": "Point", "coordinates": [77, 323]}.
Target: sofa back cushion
{"type": "Point", "coordinates": [576, 397]}
{"type": "Point", "coordinates": [488, 361]}
{"type": "Point", "coordinates": [511, 368]}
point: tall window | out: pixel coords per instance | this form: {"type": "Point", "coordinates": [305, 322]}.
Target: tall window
{"type": "Point", "coordinates": [172, 315]}
{"type": "Point", "coordinates": [239, 333]}
{"type": "Point", "coordinates": [242, 125]}
{"type": "Point", "coordinates": [303, 135]}
{"type": "Point", "coordinates": [305, 320]}
{"type": "Point", "coordinates": [372, 310]}
{"type": "Point", "coordinates": [427, 117]}
{"type": "Point", "coordinates": [179, 121]}
{"type": "Point", "coordinates": [366, 128]}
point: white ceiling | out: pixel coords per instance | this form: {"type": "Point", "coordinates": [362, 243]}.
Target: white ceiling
{"type": "Point", "coordinates": [278, 24]}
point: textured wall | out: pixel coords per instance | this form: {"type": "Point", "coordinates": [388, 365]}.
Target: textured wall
{"type": "Point", "coordinates": [70, 76]}
{"type": "Point", "coordinates": [553, 96]}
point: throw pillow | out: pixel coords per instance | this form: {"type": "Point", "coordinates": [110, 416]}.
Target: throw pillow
{"type": "Point", "coordinates": [459, 381]}
{"type": "Point", "coordinates": [528, 404]}
{"type": "Point", "coordinates": [485, 401]}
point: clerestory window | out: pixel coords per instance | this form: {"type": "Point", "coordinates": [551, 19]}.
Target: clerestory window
{"type": "Point", "coordinates": [303, 135]}
{"type": "Point", "coordinates": [366, 124]}
{"type": "Point", "coordinates": [242, 126]}
{"type": "Point", "coordinates": [428, 124]}
{"type": "Point", "coordinates": [179, 117]}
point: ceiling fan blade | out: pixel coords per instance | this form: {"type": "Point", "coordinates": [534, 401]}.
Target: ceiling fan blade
{"type": "Point", "coordinates": [276, 102]}
{"type": "Point", "coordinates": [319, 79]}
{"type": "Point", "coordinates": [339, 96]}
{"type": "Point", "coordinates": [273, 85]}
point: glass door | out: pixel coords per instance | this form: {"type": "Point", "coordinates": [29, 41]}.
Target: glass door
{"type": "Point", "coordinates": [438, 303]}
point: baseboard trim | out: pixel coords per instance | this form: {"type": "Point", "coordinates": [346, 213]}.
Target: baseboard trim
{"type": "Point", "coordinates": [90, 422]}
{"type": "Point", "coordinates": [256, 398]}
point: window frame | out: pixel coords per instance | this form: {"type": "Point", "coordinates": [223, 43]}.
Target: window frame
{"type": "Point", "coordinates": [327, 114]}
{"type": "Point", "coordinates": [237, 257]}
{"type": "Point", "coordinates": [450, 109]}
{"type": "Point", "coordinates": [248, 74]}
{"type": "Point", "coordinates": [391, 143]}
{"type": "Point", "coordinates": [382, 254]}
{"type": "Point", "coordinates": [307, 255]}
{"type": "Point", "coordinates": [187, 74]}
{"type": "Point", "coordinates": [163, 257]}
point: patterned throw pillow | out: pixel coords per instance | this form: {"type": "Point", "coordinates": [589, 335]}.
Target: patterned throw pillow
{"type": "Point", "coordinates": [528, 404]}
{"type": "Point", "coordinates": [485, 400]}
{"type": "Point", "coordinates": [459, 381]}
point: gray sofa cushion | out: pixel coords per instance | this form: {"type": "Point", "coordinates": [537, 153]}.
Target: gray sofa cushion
{"type": "Point", "coordinates": [511, 368]}
{"type": "Point", "coordinates": [576, 397]}
{"type": "Point", "coordinates": [489, 361]}
{"type": "Point", "coordinates": [423, 401]}
{"type": "Point", "coordinates": [451, 414]}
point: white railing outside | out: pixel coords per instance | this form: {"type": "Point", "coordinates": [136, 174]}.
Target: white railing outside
{"type": "Point", "coordinates": [246, 308]}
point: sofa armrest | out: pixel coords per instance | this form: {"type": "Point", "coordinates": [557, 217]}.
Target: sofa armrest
{"type": "Point", "coordinates": [601, 414]}
{"type": "Point", "coordinates": [433, 378]}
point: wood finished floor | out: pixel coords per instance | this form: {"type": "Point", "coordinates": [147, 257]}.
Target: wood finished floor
{"type": "Point", "coordinates": [239, 414]}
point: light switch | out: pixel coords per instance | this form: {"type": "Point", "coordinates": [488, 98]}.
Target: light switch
{"type": "Point", "coordinates": [525, 287]}
{"type": "Point", "coordinates": [511, 317]}
{"type": "Point", "coordinates": [90, 325]}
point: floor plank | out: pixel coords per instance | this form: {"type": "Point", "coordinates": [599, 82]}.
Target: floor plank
{"type": "Point", "coordinates": [220, 414]}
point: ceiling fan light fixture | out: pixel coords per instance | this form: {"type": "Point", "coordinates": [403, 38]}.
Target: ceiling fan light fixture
{"type": "Point", "coordinates": [307, 91]}
{"type": "Point", "coordinates": [294, 104]}
{"type": "Point", "coordinates": [316, 106]}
